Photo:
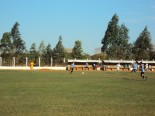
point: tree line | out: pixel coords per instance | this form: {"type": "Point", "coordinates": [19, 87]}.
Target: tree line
{"type": "Point", "coordinates": [115, 45]}
{"type": "Point", "coordinates": [12, 45]}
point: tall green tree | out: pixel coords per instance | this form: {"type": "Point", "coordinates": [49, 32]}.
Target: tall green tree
{"type": "Point", "coordinates": [124, 49]}
{"type": "Point", "coordinates": [77, 50]}
{"type": "Point", "coordinates": [111, 34]}
{"type": "Point", "coordinates": [18, 43]}
{"type": "Point", "coordinates": [116, 41]}
{"type": "Point", "coordinates": [42, 48]}
{"type": "Point", "coordinates": [59, 52]}
{"type": "Point", "coordinates": [42, 52]}
{"type": "Point", "coordinates": [6, 44]}
{"type": "Point", "coordinates": [33, 53]}
{"type": "Point", "coordinates": [6, 49]}
{"type": "Point", "coordinates": [143, 46]}
{"type": "Point", "coordinates": [48, 54]}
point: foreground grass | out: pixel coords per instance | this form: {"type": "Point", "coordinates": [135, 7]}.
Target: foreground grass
{"type": "Point", "coordinates": [49, 93]}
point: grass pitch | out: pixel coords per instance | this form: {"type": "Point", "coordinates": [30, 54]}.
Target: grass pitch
{"type": "Point", "coordinates": [57, 93]}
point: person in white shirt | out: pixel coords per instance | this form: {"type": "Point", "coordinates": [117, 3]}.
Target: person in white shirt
{"type": "Point", "coordinates": [118, 67]}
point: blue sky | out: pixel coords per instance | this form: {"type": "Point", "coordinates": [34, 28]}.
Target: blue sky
{"type": "Point", "coordinates": [84, 20]}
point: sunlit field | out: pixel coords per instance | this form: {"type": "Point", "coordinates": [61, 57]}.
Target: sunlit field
{"type": "Point", "coordinates": [94, 93]}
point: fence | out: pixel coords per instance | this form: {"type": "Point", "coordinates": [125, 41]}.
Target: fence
{"type": "Point", "coordinates": [14, 62]}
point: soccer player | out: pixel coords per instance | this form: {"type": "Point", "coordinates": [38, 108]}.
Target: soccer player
{"type": "Point", "coordinates": [118, 67]}
{"type": "Point", "coordinates": [94, 66]}
{"type": "Point", "coordinates": [86, 66]}
{"type": "Point", "coordinates": [142, 70]}
{"type": "Point", "coordinates": [72, 67]}
{"type": "Point", "coordinates": [31, 65]}
{"type": "Point", "coordinates": [134, 67]}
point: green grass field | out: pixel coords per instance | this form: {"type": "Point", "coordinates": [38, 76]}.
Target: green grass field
{"type": "Point", "coordinates": [57, 93]}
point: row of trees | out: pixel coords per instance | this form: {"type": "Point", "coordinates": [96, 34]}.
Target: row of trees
{"type": "Point", "coordinates": [116, 43]}
{"type": "Point", "coordinates": [115, 46]}
{"type": "Point", "coordinates": [11, 45]}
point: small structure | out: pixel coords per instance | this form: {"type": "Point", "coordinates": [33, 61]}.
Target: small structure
{"type": "Point", "coordinates": [110, 65]}
{"type": "Point", "coordinates": [126, 65]}
{"type": "Point", "coordinates": [84, 64]}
